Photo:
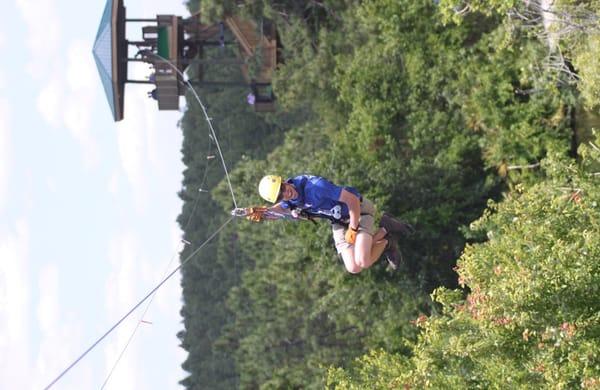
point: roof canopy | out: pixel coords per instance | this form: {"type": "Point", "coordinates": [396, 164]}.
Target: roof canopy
{"type": "Point", "coordinates": [110, 53]}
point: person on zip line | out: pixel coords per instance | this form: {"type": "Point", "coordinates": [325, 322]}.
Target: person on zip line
{"type": "Point", "coordinates": [356, 238]}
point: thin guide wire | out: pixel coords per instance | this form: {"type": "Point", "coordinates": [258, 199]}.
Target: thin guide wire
{"type": "Point", "coordinates": [208, 120]}
{"type": "Point", "coordinates": [152, 298]}
{"type": "Point", "coordinates": [137, 305]}
{"type": "Point", "coordinates": [212, 137]}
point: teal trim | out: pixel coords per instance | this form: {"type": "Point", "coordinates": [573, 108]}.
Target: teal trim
{"type": "Point", "coordinates": [102, 52]}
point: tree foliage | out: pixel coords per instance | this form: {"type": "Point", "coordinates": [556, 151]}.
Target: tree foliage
{"type": "Point", "coordinates": [570, 30]}
{"type": "Point", "coordinates": [441, 122]}
{"type": "Point", "coordinates": [531, 317]}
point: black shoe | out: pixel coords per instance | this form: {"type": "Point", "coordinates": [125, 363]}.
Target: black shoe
{"type": "Point", "coordinates": [392, 253]}
{"type": "Point", "coordinates": [393, 225]}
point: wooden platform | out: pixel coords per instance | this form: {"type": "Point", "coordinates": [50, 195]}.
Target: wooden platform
{"type": "Point", "coordinates": [255, 43]}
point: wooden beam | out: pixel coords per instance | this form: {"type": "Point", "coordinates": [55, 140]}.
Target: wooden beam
{"type": "Point", "coordinates": [139, 82]}
{"type": "Point", "coordinates": [140, 20]}
{"type": "Point", "coordinates": [135, 60]}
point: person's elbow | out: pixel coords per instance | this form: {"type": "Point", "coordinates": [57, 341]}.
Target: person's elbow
{"type": "Point", "coordinates": [350, 199]}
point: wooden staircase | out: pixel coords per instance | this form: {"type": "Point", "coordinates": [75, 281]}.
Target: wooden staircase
{"type": "Point", "coordinates": [251, 40]}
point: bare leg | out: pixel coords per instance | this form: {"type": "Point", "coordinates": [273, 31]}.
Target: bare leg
{"type": "Point", "coordinates": [377, 250]}
{"type": "Point", "coordinates": [378, 246]}
{"type": "Point", "coordinates": [349, 263]}
{"type": "Point", "coordinates": [362, 249]}
{"type": "Point", "coordinates": [365, 252]}
{"type": "Point", "coordinates": [380, 234]}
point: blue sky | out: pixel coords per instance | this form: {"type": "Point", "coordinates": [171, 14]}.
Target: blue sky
{"type": "Point", "coordinates": [87, 207]}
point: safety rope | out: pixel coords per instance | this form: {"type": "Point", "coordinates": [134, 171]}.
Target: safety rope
{"type": "Point", "coordinates": [208, 120]}
{"type": "Point", "coordinates": [138, 304]}
{"type": "Point", "coordinates": [152, 293]}
{"type": "Point", "coordinates": [142, 317]}
{"type": "Point", "coordinates": [212, 137]}
{"type": "Point", "coordinates": [116, 363]}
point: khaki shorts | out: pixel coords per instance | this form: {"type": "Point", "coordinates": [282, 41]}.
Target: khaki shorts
{"type": "Point", "coordinates": [366, 223]}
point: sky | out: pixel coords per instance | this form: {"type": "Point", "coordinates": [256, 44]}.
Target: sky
{"type": "Point", "coordinates": [87, 207]}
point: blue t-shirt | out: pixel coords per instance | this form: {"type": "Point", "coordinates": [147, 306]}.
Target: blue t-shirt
{"type": "Point", "coordinates": [317, 195]}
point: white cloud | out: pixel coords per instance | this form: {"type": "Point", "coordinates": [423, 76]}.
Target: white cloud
{"type": "Point", "coordinates": [61, 341]}
{"type": "Point", "coordinates": [59, 334]}
{"type": "Point", "coordinates": [82, 85]}
{"type": "Point", "coordinates": [14, 302]}
{"type": "Point", "coordinates": [48, 307]}
{"type": "Point", "coordinates": [69, 97]}
{"type": "Point", "coordinates": [154, 145]}
{"type": "Point", "coordinates": [43, 32]}
{"type": "Point", "coordinates": [169, 299]}
{"type": "Point", "coordinates": [51, 184]}
{"type": "Point", "coordinates": [5, 151]}
{"type": "Point", "coordinates": [2, 75]}
{"type": "Point", "coordinates": [76, 118]}
{"type": "Point", "coordinates": [155, 343]}
{"type": "Point", "coordinates": [124, 375]}
{"type": "Point", "coordinates": [81, 69]}
{"type": "Point", "coordinates": [157, 7]}
{"type": "Point", "coordinates": [132, 142]}
{"type": "Point", "coordinates": [149, 143]}
{"type": "Point", "coordinates": [113, 184]}
{"type": "Point", "coordinates": [164, 139]}
{"type": "Point", "coordinates": [124, 255]}
{"type": "Point", "coordinates": [49, 102]}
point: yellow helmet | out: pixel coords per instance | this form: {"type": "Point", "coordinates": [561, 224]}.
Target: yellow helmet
{"type": "Point", "coordinates": [269, 187]}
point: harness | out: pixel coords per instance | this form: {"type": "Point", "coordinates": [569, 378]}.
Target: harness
{"type": "Point", "coordinates": [311, 216]}
{"type": "Point", "coordinates": [260, 213]}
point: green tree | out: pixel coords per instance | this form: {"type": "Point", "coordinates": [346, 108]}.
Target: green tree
{"type": "Point", "coordinates": [531, 317]}
{"type": "Point", "coordinates": [421, 117]}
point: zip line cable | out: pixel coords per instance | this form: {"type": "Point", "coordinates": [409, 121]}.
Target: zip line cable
{"type": "Point", "coordinates": [212, 136]}
{"type": "Point", "coordinates": [133, 333]}
{"type": "Point", "coordinates": [201, 186]}
{"type": "Point", "coordinates": [208, 120]}
{"type": "Point", "coordinates": [152, 298]}
{"type": "Point", "coordinates": [138, 304]}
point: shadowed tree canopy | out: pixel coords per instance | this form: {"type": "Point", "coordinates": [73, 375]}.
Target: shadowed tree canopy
{"type": "Point", "coordinates": [432, 118]}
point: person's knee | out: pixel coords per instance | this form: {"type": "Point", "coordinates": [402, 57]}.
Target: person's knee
{"type": "Point", "coordinates": [361, 261]}
{"type": "Point", "coordinates": [349, 261]}
{"type": "Point", "coordinates": [353, 268]}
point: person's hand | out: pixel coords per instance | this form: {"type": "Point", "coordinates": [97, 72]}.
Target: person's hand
{"type": "Point", "coordinates": [351, 235]}
{"type": "Point", "coordinates": [255, 214]}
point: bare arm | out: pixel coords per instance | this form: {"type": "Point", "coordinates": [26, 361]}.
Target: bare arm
{"type": "Point", "coordinates": [353, 204]}
{"type": "Point", "coordinates": [278, 209]}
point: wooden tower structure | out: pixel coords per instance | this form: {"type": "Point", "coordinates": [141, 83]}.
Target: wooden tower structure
{"type": "Point", "coordinates": [171, 44]}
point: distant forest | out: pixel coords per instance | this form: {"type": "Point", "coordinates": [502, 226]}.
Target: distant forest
{"type": "Point", "coordinates": [474, 121]}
